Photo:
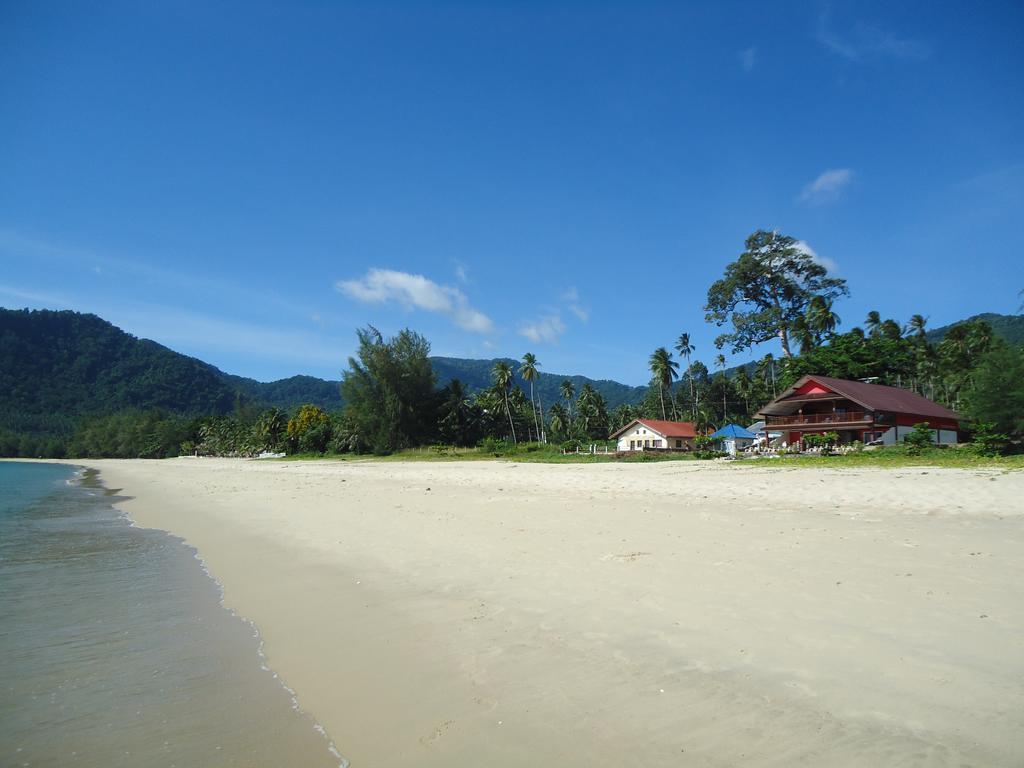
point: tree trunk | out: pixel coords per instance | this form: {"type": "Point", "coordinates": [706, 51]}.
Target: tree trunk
{"type": "Point", "coordinates": [533, 405]}
{"type": "Point", "coordinates": [784, 339]}
{"type": "Point", "coordinates": [508, 412]}
{"type": "Point", "coordinates": [693, 396]}
{"type": "Point", "coordinates": [543, 427]}
{"type": "Point", "coordinates": [661, 392]}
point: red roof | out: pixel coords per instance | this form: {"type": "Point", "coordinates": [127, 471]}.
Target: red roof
{"type": "Point", "coordinates": [874, 397]}
{"type": "Point", "coordinates": [664, 428]}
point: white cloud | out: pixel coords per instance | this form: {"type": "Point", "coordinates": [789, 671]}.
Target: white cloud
{"type": "Point", "coordinates": [572, 297]}
{"type": "Point", "coordinates": [748, 58]}
{"type": "Point", "coordinates": [866, 42]}
{"type": "Point", "coordinates": [825, 261]}
{"type": "Point", "coordinates": [416, 291]}
{"type": "Point", "coordinates": [827, 186]}
{"type": "Point", "coordinates": [546, 329]}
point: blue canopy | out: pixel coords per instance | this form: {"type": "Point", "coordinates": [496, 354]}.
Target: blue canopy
{"type": "Point", "coordinates": [731, 431]}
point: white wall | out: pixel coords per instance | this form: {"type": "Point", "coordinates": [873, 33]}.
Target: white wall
{"type": "Point", "coordinates": [640, 433]}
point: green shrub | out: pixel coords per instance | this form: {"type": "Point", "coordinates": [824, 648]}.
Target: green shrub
{"type": "Point", "coordinates": [988, 442]}
{"type": "Point", "coordinates": [920, 440]}
{"type": "Point", "coordinates": [496, 447]}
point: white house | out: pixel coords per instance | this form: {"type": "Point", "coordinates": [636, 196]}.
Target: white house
{"type": "Point", "coordinates": [652, 433]}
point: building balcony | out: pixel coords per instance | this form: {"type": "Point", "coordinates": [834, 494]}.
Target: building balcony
{"type": "Point", "coordinates": [819, 419]}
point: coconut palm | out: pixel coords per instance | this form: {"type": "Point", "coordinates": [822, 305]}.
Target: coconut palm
{"type": "Point", "coordinates": [502, 375]}
{"type": "Point", "coordinates": [663, 368]}
{"type": "Point", "coordinates": [685, 348]}
{"type": "Point", "coordinates": [720, 363]}
{"type": "Point", "coordinates": [804, 336]}
{"type": "Point", "coordinates": [528, 370]}
{"type": "Point", "coordinates": [766, 371]}
{"type": "Point", "coordinates": [820, 317]}
{"type": "Point", "coordinates": [873, 323]}
{"type": "Point", "coordinates": [568, 392]}
{"type": "Point", "coordinates": [559, 420]}
{"type": "Point", "coordinates": [916, 326]}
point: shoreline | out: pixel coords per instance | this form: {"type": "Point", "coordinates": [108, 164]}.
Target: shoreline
{"type": "Point", "coordinates": [590, 614]}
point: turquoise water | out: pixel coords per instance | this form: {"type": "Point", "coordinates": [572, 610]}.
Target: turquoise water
{"type": "Point", "coordinates": [115, 650]}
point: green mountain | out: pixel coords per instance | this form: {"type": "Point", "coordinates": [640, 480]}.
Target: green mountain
{"type": "Point", "coordinates": [476, 375]}
{"type": "Point", "coordinates": [1009, 328]}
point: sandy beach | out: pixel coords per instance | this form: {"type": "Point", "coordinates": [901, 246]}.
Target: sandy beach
{"type": "Point", "coordinates": [682, 613]}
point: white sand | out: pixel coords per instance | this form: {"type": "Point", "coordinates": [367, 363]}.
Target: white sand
{"type": "Point", "coordinates": [496, 614]}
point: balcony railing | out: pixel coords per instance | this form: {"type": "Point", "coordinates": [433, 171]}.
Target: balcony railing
{"type": "Point", "coordinates": [796, 419]}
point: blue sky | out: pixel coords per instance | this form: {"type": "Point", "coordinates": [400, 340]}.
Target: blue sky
{"type": "Point", "coordinates": [249, 182]}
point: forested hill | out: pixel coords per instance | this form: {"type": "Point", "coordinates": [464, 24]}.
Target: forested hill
{"type": "Point", "coordinates": [56, 367]}
{"type": "Point", "coordinates": [1009, 328]}
{"type": "Point", "coordinates": [476, 375]}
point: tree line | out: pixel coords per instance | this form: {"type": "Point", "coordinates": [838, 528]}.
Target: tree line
{"type": "Point", "coordinates": [774, 290]}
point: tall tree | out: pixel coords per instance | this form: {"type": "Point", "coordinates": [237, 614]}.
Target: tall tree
{"type": "Point", "coordinates": [389, 390]}
{"type": "Point", "coordinates": [685, 348]}
{"type": "Point", "coordinates": [528, 370]}
{"type": "Point", "coordinates": [766, 289]}
{"type": "Point", "coordinates": [873, 323]}
{"type": "Point", "coordinates": [663, 368]}
{"type": "Point", "coordinates": [502, 375]}
{"type": "Point", "coordinates": [821, 318]}
{"type": "Point", "coordinates": [568, 392]}
{"type": "Point", "coordinates": [916, 326]}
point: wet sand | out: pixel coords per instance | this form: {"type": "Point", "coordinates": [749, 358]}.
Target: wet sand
{"type": "Point", "coordinates": [499, 614]}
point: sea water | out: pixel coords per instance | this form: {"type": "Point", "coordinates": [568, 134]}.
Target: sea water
{"type": "Point", "coordinates": [115, 649]}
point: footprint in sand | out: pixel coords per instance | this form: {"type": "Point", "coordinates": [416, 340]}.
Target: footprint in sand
{"type": "Point", "coordinates": [440, 731]}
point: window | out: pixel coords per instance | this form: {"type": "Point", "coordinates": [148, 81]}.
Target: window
{"type": "Point", "coordinates": [632, 444]}
{"type": "Point", "coordinates": [657, 443]}
{"type": "Point", "coordinates": [679, 443]}
{"type": "Point", "coordinates": [647, 443]}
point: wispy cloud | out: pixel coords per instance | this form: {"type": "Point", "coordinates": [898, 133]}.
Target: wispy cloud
{"type": "Point", "coordinates": [103, 263]}
{"type": "Point", "coordinates": [825, 261]}
{"type": "Point", "coordinates": [572, 297]}
{"type": "Point", "coordinates": [39, 300]}
{"type": "Point", "coordinates": [380, 286]}
{"type": "Point", "coordinates": [827, 187]}
{"type": "Point", "coordinates": [547, 329]}
{"type": "Point", "coordinates": [867, 42]}
{"type": "Point", "coordinates": [748, 58]}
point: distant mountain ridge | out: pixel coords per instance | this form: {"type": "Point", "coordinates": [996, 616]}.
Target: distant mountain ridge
{"type": "Point", "coordinates": [58, 366]}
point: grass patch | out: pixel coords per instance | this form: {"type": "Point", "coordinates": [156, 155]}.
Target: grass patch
{"type": "Point", "coordinates": [964, 457]}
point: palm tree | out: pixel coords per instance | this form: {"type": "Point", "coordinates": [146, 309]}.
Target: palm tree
{"type": "Point", "coordinates": [804, 336]}
{"type": "Point", "coordinates": [502, 375]}
{"type": "Point", "coordinates": [528, 370]}
{"type": "Point", "coordinates": [916, 326]}
{"type": "Point", "coordinates": [663, 368]}
{"type": "Point", "coordinates": [568, 392]}
{"type": "Point", "coordinates": [559, 420]}
{"type": "Point", "coordinates": [820, 317]}
{"type": "Point", "coordinates": [685, 348]}
{"type": "Point", "coordinates": [873, 323]}
{"type": "Point", "coordinates": [742, 383]}
{"type": "Point", "coordinates": [720, 362]}
{"type": "Point", "coordinates": [766, 370]}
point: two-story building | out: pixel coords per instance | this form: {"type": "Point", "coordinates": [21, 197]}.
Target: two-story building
{"type": "Point", "coordinates": [855, 410]}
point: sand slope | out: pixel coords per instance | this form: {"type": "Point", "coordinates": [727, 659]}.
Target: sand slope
{"type": "Point", "coordinates": [501, 614]}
